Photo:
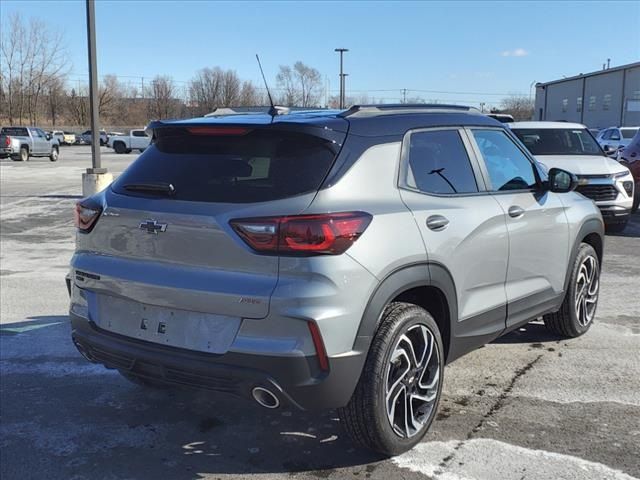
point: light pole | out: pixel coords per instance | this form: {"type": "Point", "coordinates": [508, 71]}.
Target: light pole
{"type": "Point", "coordinates": [96, 178]}
{"type": "Point", "coordinates": [342, 75]}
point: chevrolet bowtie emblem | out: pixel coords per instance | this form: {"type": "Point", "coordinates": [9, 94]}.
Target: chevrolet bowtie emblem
{"type": "Point", "coordinates": [152, 226]}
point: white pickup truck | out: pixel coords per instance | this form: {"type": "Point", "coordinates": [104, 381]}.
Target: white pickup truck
{"type": "Point", "coordinates": [135, 140]}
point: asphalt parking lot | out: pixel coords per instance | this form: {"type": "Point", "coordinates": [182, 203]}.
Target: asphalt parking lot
{"type": "Point", "coordinates": [528, 406]}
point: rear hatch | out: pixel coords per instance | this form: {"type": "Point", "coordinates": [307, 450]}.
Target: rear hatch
{"type": "Point", "coordinates": [164, 238]}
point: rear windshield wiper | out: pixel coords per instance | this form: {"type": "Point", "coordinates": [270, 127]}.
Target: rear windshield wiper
{"type": "Point", "coordinates": [156, 188]}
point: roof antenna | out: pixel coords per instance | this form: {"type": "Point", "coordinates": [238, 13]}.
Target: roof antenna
{"type": "Point", "coordinates": [273, 110]}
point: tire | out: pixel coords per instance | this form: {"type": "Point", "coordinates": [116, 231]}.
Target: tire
{"type": "Point", "coordinates": [144, 382]}
{"type": "Point", "coordinates": [367, 416]}
{"type": "Point", "coordinates": [568, 321]}
{"type": "Point", "coordinates": [119, 147]}
{"type": "Point", "coordinates": [616, 227]}
{"type": "Point", "coordinates": [54, 154]}
{"type": "Point", "coordinates": [102, 142]}
{"type": "Point", "coordinates": [141, 150]}
{"type": "Point", "coordinates": [23, 156]}
{"type": "Point", "coordinates": [128, 150]}
{"type": "Point", "coordinates": [636, 199]}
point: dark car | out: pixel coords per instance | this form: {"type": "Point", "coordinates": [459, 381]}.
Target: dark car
{"type": "Point", "coordinates": [629, 156]}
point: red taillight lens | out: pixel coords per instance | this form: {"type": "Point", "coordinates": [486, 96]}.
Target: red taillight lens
{"type": "Point", "coordinates": [303, 235]}
{"type": "Point", "coordinates": [85, 217]}
{"type": "Point", "coordinates": [7, 141]}
{"type": "Point", "coordinates": [318, 344]}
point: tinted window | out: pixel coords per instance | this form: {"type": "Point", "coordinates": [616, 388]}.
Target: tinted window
{"type": "Point", "coordinates": [508, 167]}
{"type": "Point", "coordinates": [255, 166]}
{"type": "Point", "coordinates": [15, 131]}
{"type": "Point", "coordinates": [139, 133]}
{"type": "Point", "coordinates": [615, 135]}
{"type": "Point", "coordinates": [558, 141]}
{"type": "Point", "coordinates": [438, 163]}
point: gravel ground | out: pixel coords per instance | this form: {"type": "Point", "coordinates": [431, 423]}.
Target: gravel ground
{"type": "Point", "coordinates": [528, 406]}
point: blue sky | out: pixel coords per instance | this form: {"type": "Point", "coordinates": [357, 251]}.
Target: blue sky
{"type": "Point", "coordinates": [473, 47]}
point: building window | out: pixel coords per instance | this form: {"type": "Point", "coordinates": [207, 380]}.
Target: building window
{"type": "Point", "coordinates": [606, 102]}
{"type": "Point", "coordinates": [579, 104]}
{"type": "Point", "coordinates": [592, 102]}
{"type": "Point", "coordinates": [565, 104]}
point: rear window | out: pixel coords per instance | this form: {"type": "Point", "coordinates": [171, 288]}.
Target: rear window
{"type": "Point", "coordinates": [628, 132]}
{"type": "Point", "coordinates": [15, 131]}
{"type": "Point", "coordinates": [248, 166]}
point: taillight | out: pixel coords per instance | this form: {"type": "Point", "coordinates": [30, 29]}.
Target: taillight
{"type": "Point", "coordinates": [7, 141]}
{"type": "Point", "coordinates": [303, 235]}
{"type": "Point", "coordinates": [85, 216]}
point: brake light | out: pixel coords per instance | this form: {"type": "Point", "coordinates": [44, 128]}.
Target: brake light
{"type": "Point", "coordinates": [85, 217]}
{"type": "Point", "coordinates": [303, 235]}
{"type": "Point", "coordinates": [213, 131]}
{"type": "Point", "coordinates": [7, 141]}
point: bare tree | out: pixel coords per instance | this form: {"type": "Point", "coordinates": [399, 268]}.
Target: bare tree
{"type": "Point", "coordinates": [55, 98]}
{"type": "Point", "coordinates": [249, 95]}
{"type": "Point", "coordinates": [301, 85]}
{"type": "Point", "coordinates": [161, 94]}
{"type": "Point", "coordinates": [520, 106]}
{"type": "Point", "coordinates": [31, 56]}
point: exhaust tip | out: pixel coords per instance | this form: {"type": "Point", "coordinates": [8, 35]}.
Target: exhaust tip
{"type": "Point", "coordinates": [265, 397]}
{"type": "Point", "coordinates": [83, 351]}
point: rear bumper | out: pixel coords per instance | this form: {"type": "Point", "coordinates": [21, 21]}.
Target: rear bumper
{"type": "Point", "coordinates": [296, 380]}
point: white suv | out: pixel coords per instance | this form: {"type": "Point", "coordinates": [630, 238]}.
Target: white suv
{"type": "Point", "coordinates": [571, 146]}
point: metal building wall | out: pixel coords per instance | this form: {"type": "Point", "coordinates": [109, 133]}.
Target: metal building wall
{"type": "Point", "coordinates": [599, 100]}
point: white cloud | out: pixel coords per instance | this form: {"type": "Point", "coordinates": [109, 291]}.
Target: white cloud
{"type": "Point", "coordinates": [518, 52]}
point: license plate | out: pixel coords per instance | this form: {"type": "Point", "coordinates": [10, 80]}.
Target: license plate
{"type": "Point", "coordinates": [203, 332]}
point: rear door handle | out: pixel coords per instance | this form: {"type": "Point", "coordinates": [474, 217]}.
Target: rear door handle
{"type": "Point", "coordinates": [437, 222]}
{"type": "Point", "coordinates": [516, 211]}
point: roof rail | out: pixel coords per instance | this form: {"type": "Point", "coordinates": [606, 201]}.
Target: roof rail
{"type": "Point", "coordinates": [395, 108]}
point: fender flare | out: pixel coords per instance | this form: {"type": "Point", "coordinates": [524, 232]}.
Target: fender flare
{"type": "Point", "coordinates": [427, 274]}
{"type": "Point", "coordinates": [590, 226]}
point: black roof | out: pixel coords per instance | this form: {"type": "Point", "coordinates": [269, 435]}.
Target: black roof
{"type": "Point", "coordinates": [365, 120]}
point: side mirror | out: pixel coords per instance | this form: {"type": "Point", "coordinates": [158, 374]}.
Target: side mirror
{"type": "Point", "coordinates": [561, 181]}
{"type": "Point", "coordinates": [48, 136]}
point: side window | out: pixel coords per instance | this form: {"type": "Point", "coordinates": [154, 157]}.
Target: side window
{"type": "Point", "coordinates": [606, 135]}
{"type": "Point", "coordinates": [615, 134]}
{"type": "Point", "coordinates": [40, 133]}
{"type": "Point", "coordinates": [139, 133]}
{"type": "Point", "coordinates": [439, 163]}
{"type": "Point", "coordinates": [508, 167]}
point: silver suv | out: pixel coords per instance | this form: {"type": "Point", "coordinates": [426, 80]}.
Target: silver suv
{"type": "Point", "coordinates": [332, 259]}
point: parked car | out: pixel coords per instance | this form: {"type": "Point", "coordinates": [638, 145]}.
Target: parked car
{"type": "Point", "coordinates": [69, 138]}
{"type": "Point", "coordinates": [611, 139]}
{"type": "Point", "coordinates": [135, 140]}
{"type": "Point", "coordinates": [58, 136]}
{"type": "Point", "coordinates": [571, 147]}
{"type": "Point", "coordinates": [21, 143]}
{"type": "Point", "coordinates": [629, 156]}
{"type": "Point", "coordinates": [85, 137]}
{"type": "Point", "coordinates": [329, 259]}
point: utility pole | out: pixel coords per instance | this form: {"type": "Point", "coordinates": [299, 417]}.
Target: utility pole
{"type": "Point", "coordinates": [404, 95]}
{"type": "Point", "coordinates": [482, 107]}
{"type": "Point", "coordinates": [96, 178]}
{"type": "Point", "coordinates": [342, 75]}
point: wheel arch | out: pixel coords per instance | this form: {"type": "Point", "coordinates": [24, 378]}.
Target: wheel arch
{"type": "Point", "coordinates": [428, 285]}
{"type": "Point", "coordinates": [592, 233]}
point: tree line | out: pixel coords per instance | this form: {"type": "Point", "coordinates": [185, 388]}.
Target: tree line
{"type": "Point", "coordinates": [35, 87]}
